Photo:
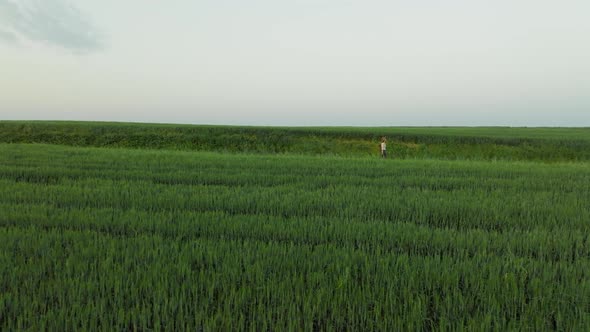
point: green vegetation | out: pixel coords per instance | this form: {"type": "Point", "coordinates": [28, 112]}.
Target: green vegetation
{"type": "Point", "coordinates": [136, 239]}
{"type": "Point", "coordinates": [525, 144]}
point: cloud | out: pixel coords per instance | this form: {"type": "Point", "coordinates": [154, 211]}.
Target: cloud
{"type": "Point", "coordinates": [54, 22]}
{"type": "Point", "coordinates": [7, 36]}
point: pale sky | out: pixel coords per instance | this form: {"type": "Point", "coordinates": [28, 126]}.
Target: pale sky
{"type": "Point", "coordinates": [297, 62]}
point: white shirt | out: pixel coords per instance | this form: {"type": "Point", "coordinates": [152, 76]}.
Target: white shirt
{"type": "Point", "coordinates": [383, 146]}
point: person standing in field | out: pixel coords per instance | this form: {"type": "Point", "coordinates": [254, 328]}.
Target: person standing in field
{"type": "Point", "coordinates": [383, 147]}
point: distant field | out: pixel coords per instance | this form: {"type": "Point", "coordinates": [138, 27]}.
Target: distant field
{"type": "Point", "coordinates": [532, 144]}
{"type": "Point", "coordinates": [143, 239]}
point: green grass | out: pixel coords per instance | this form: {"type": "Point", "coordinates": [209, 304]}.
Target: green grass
{"type": "Point", "coordinates": [136, 239]}
{"type": "Point", "coordinates": [532, 144]}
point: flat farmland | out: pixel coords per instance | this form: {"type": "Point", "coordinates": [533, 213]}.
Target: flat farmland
{"type": "Point", "coordinates": [141, 239]}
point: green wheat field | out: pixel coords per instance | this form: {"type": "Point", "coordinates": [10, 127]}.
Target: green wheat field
{"type": "Point", "coordinates": [139, 227]}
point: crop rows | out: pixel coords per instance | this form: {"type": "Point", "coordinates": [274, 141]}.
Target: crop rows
{"type": "Point", "coordinates": [159, 240]}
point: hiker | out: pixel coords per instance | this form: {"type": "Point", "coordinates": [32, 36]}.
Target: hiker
{"type": "Point", "coordinates": [383, 147]}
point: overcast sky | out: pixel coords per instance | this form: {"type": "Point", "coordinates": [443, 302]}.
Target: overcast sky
{"type": "Point", "coordinates": [297, 62]}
